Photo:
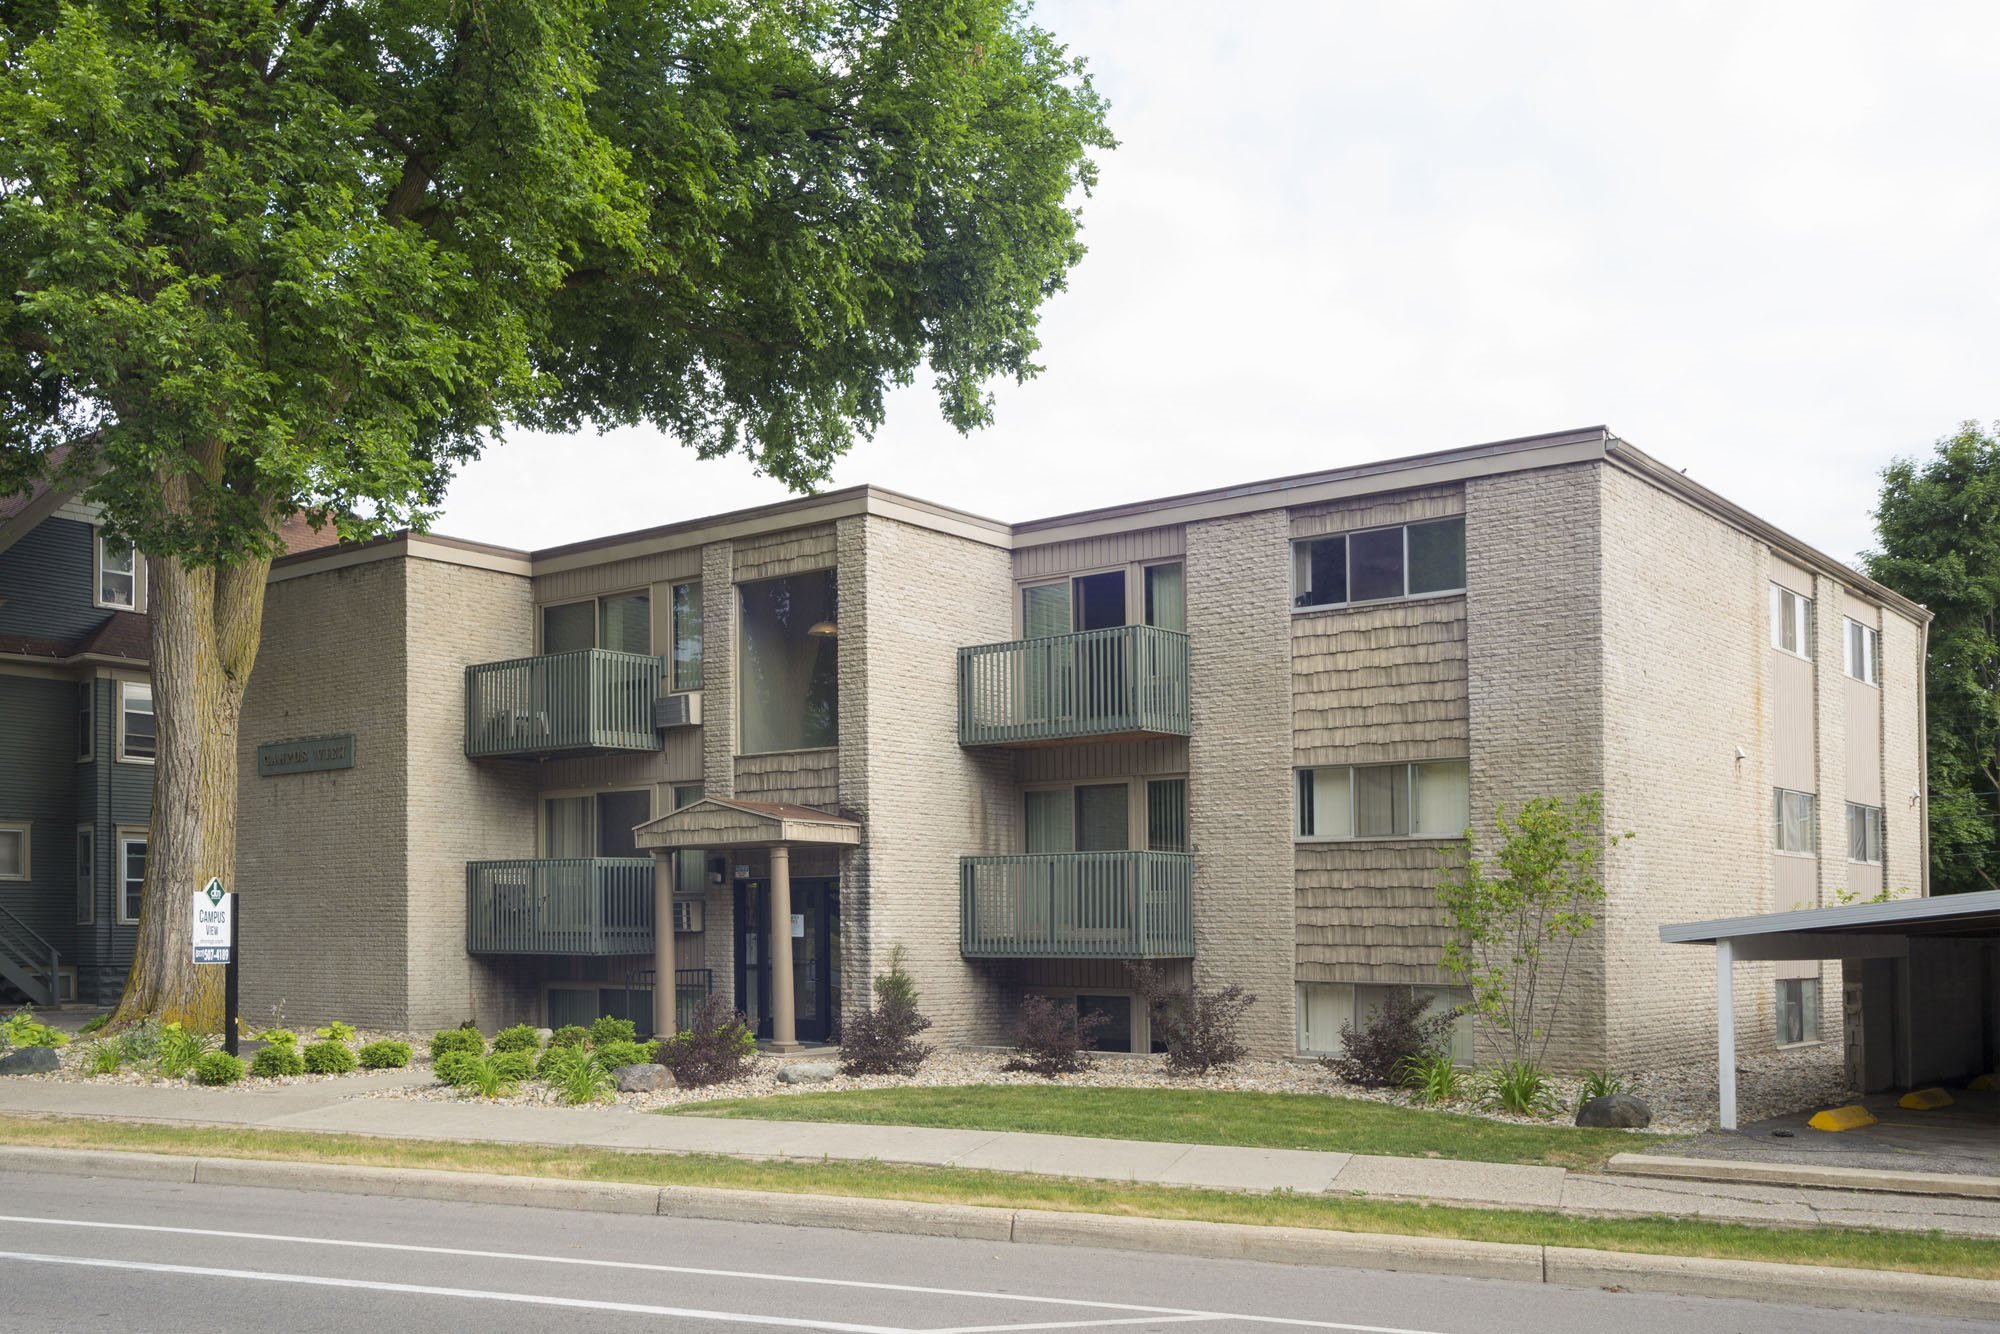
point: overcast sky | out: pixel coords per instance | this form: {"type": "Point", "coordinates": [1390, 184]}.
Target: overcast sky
{"type": "Point", "coordinates": [1756, 240]}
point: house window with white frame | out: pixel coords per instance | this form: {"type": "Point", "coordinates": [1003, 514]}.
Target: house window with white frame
{"type": "Point", "coordinates": [1430, 799]}
{"type": "Point", "coordinates": [15, 836]}
{"type": "Point", "coordinates": [1864, 834]}
{"type": "Point", "coordinates": [1791, 621]}
{"type": "Point", "coordinates": [86, 874]}
{"type": "Point", "coordinates": [131, 876]}
{"type": "Point", "coordinates": [1798, 1010]}
{"type": "Point", "coordinates": [1795, 826]}
{"type": "Point", "coordinates": [1379, 564]}
{"type": "Point", "coordinates": [1864, 652]}
{"type": "Point", "coordinates": [117, 573]}
{"type": "Point", "coordinates": [137, 737]}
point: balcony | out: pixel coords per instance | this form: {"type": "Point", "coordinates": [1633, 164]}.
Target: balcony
{"type": "Point", "coordinates": [562, 703]}
{"type": "Point", "coordinates": [560, 905]}
{"type": "Point", "coordinates": [1124, 683]}
{"type": "Point", "coordinates": [1077, 905]}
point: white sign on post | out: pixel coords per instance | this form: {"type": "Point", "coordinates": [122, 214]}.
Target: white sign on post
{"type": "Point", "coordinates": [213, 929]}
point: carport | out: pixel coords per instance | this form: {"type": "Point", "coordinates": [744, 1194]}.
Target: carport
{"type": "Point", "coordinates": [1918, 1000]}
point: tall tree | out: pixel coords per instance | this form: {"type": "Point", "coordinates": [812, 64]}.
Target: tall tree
{"type": "Point", "coordinates": [1939, 528]}
{"type": "Point", "coordinates": [263, 258]}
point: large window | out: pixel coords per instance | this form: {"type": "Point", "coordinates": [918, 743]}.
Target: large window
{"type": "Point", "coordinates": [1427, 800]}
{"type": "Point", "coordinates": [1864, 652]}
{"type": "Point", "coordinates": [117, 573]}
{"type": "Point", "coordinates": [14, 837]}
{"type": "Point", "coordinates": [1166, 596]}
{"type": "Point", "coordinates": [1098, 601]}
{"type": "Point", "coordinates": [1791, 621]}
{"type": "Point", "coordinates": [1864, 833]}
{"type": "Point", "coordinates": [1795, 827]}
{"type": "Point", "coordinates": [137, 740]}
{"type": "Point", "coordinates": [1377, 564]}
{"type": "Point", "coordinates": [595, 825]}
{"type": "Point", "coordinates": [622, 623]}
{"type": "Point", "coordinates": [1798, 1010]}
{"type": "Point", "coordinates": [690, 864]}
{"type": "Point", "coordinates": [790, 674]}
{"type": "Point", "coordinates": [86, 875]}
{"type": "Point", "coordinates": [687, 636]}
{"type": "Point", "coordinates": [1097, 817]}
{"type": "Point", "coordinates": [131, 875]}
{"type": "Point", "coordinates": [1324, 1008]}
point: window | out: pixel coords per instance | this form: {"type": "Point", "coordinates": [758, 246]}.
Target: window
{"type": "Point", "coordinates": [14, 839]}
{"type": "Point", "coordinates": [789, 676]}
{"type": "Point", "coordinates": [1166, 596]}
{"type": "Point", "coordinates": [1166, 815]}
{"type": "Point", "coordinates": [1100, 600]}
{"type": "Point", "coordinates": [86, 720]}
{"type": "Point", "coordinates": [690, 864]}
{"type": "Point", "coordinates": [131, 876]}
{"type": "Point", "coordinates": [1791, 621]}
{"type": "Point", "coordinates": [86, 875]}
{"type": "Point", "coordinates": [1864, 652]}
{"type": "Point", "coordinates": [1864, 833]}
{"type": "Point", "coordinates": [1796, 820]}
{"type": "Point", "coordinates": [136, 738]}
{"type": "Point", "coordinates": [117, 573]}
{"type": "Point", "coordinates": [1379, 563]}
{"type": "Point", "coordinates": [597, 825]}
{"type": "Point", "coordinates": [1323, 1007]}
{"type": "Point", "coordinates": [569, 627]}
{"type": "Point", "coordinates": [687, 637]}
{"type": "Point", "coordinates": [622, 623]}
{"type": "Point", "coordinates": [1798, 1010]}
{"type": "Point", "coordinates": [1428, 800]}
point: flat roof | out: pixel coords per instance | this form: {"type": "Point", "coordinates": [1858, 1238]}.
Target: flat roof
{"type": "Point", "coordinates": [1937, 915]}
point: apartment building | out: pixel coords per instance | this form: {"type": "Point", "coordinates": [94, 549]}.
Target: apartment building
{"type": "Point", "coordinates": [1233, 735]}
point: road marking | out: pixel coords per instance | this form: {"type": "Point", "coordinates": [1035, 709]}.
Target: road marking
{"type": "Point", "coordinates": [1173, 1314]}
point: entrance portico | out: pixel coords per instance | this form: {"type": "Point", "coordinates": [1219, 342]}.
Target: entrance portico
{"type": "Point", "coordinates": [722, 825]}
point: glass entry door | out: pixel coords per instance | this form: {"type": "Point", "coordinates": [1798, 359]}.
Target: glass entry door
{"type": "Point", "coordinates": [815, 928]}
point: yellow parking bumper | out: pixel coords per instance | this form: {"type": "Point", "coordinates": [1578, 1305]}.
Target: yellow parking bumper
{"type": "Point", "coordinates": [1924, 1100]}
{"type": "Point", "coordinates": [1842, 1118]}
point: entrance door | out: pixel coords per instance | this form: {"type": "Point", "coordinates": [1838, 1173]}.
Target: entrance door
{"type": "Point", "coordinates": [815, 928]}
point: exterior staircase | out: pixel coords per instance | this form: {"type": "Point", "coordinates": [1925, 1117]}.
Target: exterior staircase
{"type": "Point", "coordinates": [29, 964]}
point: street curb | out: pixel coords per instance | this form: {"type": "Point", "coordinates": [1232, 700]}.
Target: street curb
{"type": "Point", "coordinates": [1809, 1285]}
{"type": "Point", "coordinates": [1805, 1175]}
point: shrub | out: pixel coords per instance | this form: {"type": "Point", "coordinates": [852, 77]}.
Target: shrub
{"type": "Point", "coordinates": [1520, 1087]}
{"type": "Point", "coordinates": [569, 1035]}
{"type": "Point", "coordinates": [1202, 1028]}
{"type": "Point", "coordinates": [521, 1037]}
{"type": "Point", "coordinates": [335, 1032]}
{"type": "Point", "coordinates": [279, 1037]}
{"type": "Point", "coordinates": [1434, 1078]}
{"type": "Point", "coordinates": [179, 1049]}
{"type": "Point", "coordinates": [1599, 1084]}
{"type": "Point", "coordinates": [1051, 1038]}
{"type": "Point", "coordinates": [488, 1075]}
{"type": "Point", "coordinates": [882, 1038]}
{"type": "Point", "coordinates": [607, 1030]}
{"type": "Point", "coordinates": [217, 1067]}
{"type": "Point", "coordinates": [20, 1029]}
{"type": "Point", "coordinates": [328, 1058]}
{"type": "Point", "coordinates": [714, 1049]}
{"type": "Point", "coordinates": [455, 1067]}
{"type": "Point", "coordinates": [141, 1042]}
{"type": "Point", "coordinates": [1397, 1032]}
{"type": "Point", "coordinates": [457, 1039]}
{"type": "Point", "coordinates": [578, 1077]}
{"type": "Point", "coordinates": [614, 1054]}
{"type": "Point", "coordinates": [385, 1055]}
{"type": "Point", "coordinates": [105, 1058]}
{"type": "Point", "coordinates": [514, 1066]}
{"type": "Point", "coordinates": [95, 1024]}
{"type": "Point", "coordinates": [276, 1060]}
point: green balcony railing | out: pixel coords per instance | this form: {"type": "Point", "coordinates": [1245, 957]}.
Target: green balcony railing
{"type": "Point", "coordinates": [562, 702]}
{"type": "Point", "coordinates": [1128, 680]}
{"type": "Point", "coordinates": [1077, 905]}
{"type": "Point", "coordinates": [560, 905]}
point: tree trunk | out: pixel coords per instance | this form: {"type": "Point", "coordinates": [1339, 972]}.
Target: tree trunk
{"type": "Point", "coordinates": [205, 624]}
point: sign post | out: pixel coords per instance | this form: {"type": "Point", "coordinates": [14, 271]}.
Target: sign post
{"type": "Point", "coordinates": [214, 936]}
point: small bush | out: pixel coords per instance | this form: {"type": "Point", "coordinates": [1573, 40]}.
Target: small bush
{"type": "Point", "coordinates": [714, 1049]}
{"type": "Point", "coordinates": [106, 1058]}
{"type": "Point", "coordinates": [335, 1032]}
{"type": "Point", "coordinates": [385, 1055]}
{"type": "Point", "coordinates": [607, 1030]}
{"type": "Point", "coordinates": [1434, 1078]}
{"type": "Point", "coordinates": [279, 1037]}
{"type": "Point", "coordinates": [328, 1058]}
{"type": "Point", "coordinates": [20, 1029]}
{"type": "Point", "coordinates": [882, 1038]}
{"type": "Point", "coordinates": [614, 1054]}
{"type": "Point", "coordinates": [1051, 1038]}
{"type": "Point", "coordinates": [1520, 1087]}
{"type": "Point", "coordinates": [95, 1024]}
{"type": "Point", "coordinates": [1599, 1084]}
{"type": "Point", "coordinates": [455, 1067]}
{"type": "Point", "coordinates": [569, 1035]}
{"type": "Point", "coordinates": [1202, 1028]}
{"type": "Point", "coordinates": [217, 1067]}
{"type": "Point", "coordinates": [277, 1060]}
{"type": "Point", "coordinates": [488, 1076]}
{"type": "Point", "coordinates": [514, 1066]}
{"type": "Point", "coordinates": [1396, 1033]}
{"type": "Point", "coordinates": [141, 1042]}
{"type": "Point", "coordinates": [578, 1077]}
{"type": "Point", "coordinates": [179, 1049]}
{"type": "Point", "coordinates": [521, 1037]}
{"type": "Point", "coordinates": [457, 1039]}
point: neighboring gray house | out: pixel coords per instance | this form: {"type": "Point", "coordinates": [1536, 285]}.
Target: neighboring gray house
{"type": "Point", "coordinates": [1232, 733]}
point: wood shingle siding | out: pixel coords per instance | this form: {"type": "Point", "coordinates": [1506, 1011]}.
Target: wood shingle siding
{"type": "Point", "coordinates": [1367, 911]}
{"type": "Point", "coordinates": [784, 553]}
{"type": "Point", "coordinates": [1346, 516]}
{"type": "Point", "coordinates": [801, 777]}
{"type": "Point", "coordinates": [1380, 684]}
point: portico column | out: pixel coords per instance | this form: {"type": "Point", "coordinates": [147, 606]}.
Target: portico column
{"type": "Point", "coordinates": [666, 1022]}
{"type": "Point", "coordinates": [784, 1013]}
{"type": "Point", "coordinates": [1725, 1031]}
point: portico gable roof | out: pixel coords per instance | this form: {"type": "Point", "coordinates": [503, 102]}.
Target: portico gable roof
{"type": "Point", "coordinates": [717, 822]}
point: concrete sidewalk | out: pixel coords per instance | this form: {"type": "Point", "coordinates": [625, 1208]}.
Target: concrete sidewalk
{"type": "Point", "coordinates": [337, 1108]}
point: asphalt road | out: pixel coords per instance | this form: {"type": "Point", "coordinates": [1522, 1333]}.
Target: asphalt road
{"type": "Point", "coordinates": [102, 1254]}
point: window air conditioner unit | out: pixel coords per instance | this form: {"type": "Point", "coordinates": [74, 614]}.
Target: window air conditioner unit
{"type": "Point", "coordinates": [683, 710]}
{"type": "Point", "coordinates": [687, 914]}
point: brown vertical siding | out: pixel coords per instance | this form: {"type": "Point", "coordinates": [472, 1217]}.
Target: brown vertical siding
{"type": "Point", "coordinates": [665, 567]}
{"type": "Point", "coordinates": [1097, 553]}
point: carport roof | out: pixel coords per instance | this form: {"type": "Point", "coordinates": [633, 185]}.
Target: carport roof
{"type": "Point", "coordinates": [1940, 915]}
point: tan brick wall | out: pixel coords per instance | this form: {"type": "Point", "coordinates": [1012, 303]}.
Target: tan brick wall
{"type": "Point", "coordinates": [1240, 770]}
{"type": "Point", "coordinates": [1905, 792]}
{"type": "Point", "coordinates": [718, 670]}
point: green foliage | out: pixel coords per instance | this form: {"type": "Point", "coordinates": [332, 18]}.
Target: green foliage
{"type": "Point", "coordinates": [896, 984]}
{"type": "Point", "coordinates": [578, 1078]}
{"type": "Point", "coordinates": [1938, 524]}
{"type": "Point", "coordinates": [489, 1076]}
{"type": "Point", "coordinates": [106, 1058]}
{"type": "Point", "coordinates": [385, 1055]}
{"type": "Point", "coordinates": [455, 1067]}
{"type": "Point", "coordinates": [615, 1054]}
{"type": "Point", "coordinates": [714, 1049]}
{"type": "Point", "coordinates": [277, 1060]}
{"type": "Point", "coordinates": [1599, 1084]}
{"type": "Point", "coordinates": [1052, 1038]}
{"type": "Point", "coordinates": [521, 1037]}
{"type": "Point", "coordinates": [335, 1032]}
{"type": "Point", "coordinates": [457, 1039]}
{"type": "Point", "coordinates": [882, 1038]}
{"type": "Point", "coordinates": [513, 1065]}
{"type": "Point", "coordinates": [328, 1058]}
{"type": "Point", "coordinates": [1433, 1078]}
{"type": "Point", "coordinates": [141, 1042]}
{"type": "Point", "coordinates": [21, 1029]}
{"type": "Point", "coordinates": [606, 1030]}
{"type": "Point", "coordinates": [1521, 1087]}
{"type": "Point", "coordinates": [1392, 1036]}
{"type": "Point", "coordinates": [94, 1024]}
{"type": "Point", "coordinates": [217, 1067]}
{"type": "Point", "coordinates": [279, 1037]}
{"type": "Point", "coordinates": [1508, 917]}
{"type": "Point", "coordinates": [569, 1035]}
{"type": "Point", "coordinates": [179, 1048]}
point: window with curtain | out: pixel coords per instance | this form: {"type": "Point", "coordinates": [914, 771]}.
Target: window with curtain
{"type": "Point", "coordinates": [1050, 814]}
{"type": "Point", "coordinates": [1377, 564]}
{"type": "Point", "coordinates": [1791, 621]}
{"type": "Point", "coordinates": [1166, 596]}
{"type": "Point", "coordinates": [567, 827]}
{"type": "Point", "coordinates": [117, 573]}
{"type": "Point", "coordinates": [1864, 833]}
{"type": "Point", "coordinates": [569, 627]}
{"type": "Point", "coordinates": [1864, 653]}
{"type": "Point", "coordinates": [1431, 799]}
{"type": "Point", "coordinates": [1795, 825]}
{"type": "Point", "coordinates": [789, 677]}
{"type": "Point", "coordinates": [138, 739]}
{"type": "Point", "coordinates": [687, 636]}
{"type": "Point", "coordinates": [1444, 799]}
{"type": "Point", "coordinates": [1045, 610]}
{"type": "Point", "coordinates": [1166, 815]}
{"type": "Point", "coordinates": [1798, 1010]}
{"type": "Point", "coordinates": [625, 623]}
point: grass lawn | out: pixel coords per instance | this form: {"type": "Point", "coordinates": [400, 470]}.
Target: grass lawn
{"type": "Point", "coordinates": [1930, 1253]}
{"type": "Point", "coordinates": [1197, 1116]}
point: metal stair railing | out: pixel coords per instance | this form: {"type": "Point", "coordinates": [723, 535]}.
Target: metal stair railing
{"type": "Point", "coordinates": [23, 954]}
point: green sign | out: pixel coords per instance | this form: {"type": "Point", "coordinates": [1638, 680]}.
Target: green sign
{"type": "Point", "coordinates": [306, 755]}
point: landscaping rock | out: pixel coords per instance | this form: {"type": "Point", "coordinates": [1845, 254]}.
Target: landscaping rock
{"type": "Point", "coordinates": [643, 1078]}
{"type": "Point", "coordinates": [30, 1061]}
{"type": "Point", "coordinates": [542, 1035]}
{"type": "Point", "coordinates": [808, 1072]}
{"type": "Point", "coordinates": [1618, 1111]}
